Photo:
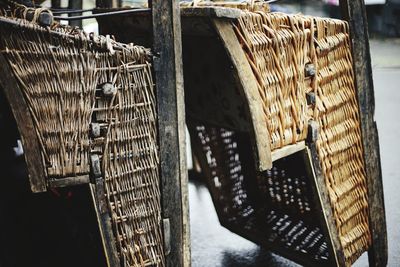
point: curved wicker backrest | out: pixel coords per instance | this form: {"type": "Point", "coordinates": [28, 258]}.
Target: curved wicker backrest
{"type": "Point", "coordinates": [303, 66]}
{"type": "Point", "coordinates": [62, 72]}
{"type": "Point", "coordinates": [280, 48]}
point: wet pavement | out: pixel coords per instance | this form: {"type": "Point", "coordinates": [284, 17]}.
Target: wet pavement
{"type": "Point", "coordinates": [213, 245]}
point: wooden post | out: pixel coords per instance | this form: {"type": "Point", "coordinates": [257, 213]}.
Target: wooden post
{"type": "Point", "coordinates": [105, 229]}
{"type": "Point", "coordinates": [167, 49]}
{"type": "Point", "coordinates": [30, 141]}
{"type": "Point", "coordinates": [56, 3]}
{"type": "Point", "coordinates": [354, 12]}
{"type": "Point", "coordinates": [75, 4]}
{"type": "Point", "coordinates": [107, 3]}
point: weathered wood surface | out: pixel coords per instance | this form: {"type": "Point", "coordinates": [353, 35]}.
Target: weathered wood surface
{"type": "Point", "coordinates": [107, 3]}
{"type": "Point", "coordinates": [244, 76]}
{"type": "Point", "coordinates": [105, 228]}
{"type": "Point", "coordinates": [322, 204]}
{"type": "Point", "coordinates": [354, 12]}
{"type": "Point", "coordinates": [211, 12]}
{"type": "Point", "coordinates": [56, 3]}
{"type": "Point", "coordinates": [195, 22]}
{"type": "Point", "coordinates": [69, 181]}
{"type": "Point", "coordinates": [287, 150]}
{"type": "Point", "coordinates": [75, 4]}
{"type": "Point", "coordinates": [22, 115]}
{"type": "Point", "coordinates": [167, 60]}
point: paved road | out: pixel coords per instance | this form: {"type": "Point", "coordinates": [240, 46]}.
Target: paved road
{"type": "Point", "coordinates": [213, 245]}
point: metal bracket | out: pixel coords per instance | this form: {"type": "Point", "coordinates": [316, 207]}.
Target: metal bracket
{"type": "Point", "coordinates": [312, 135]}
{"type": "Point", "coordinates": [167, 236]}
{"type": "Point", "coordinates": [311, 98]}
{"type": "Point", "coordinates": [98, 181]}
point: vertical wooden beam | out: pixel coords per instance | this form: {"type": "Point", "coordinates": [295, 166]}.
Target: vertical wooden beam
{"type": "Point", "coordinates": [167, 49]}
{"type": "Point", "coordinates": [56, 3]}
{"type": "Point", "coordinates": [75, 4]}
{"type": "Point", "coordinates": [354, 12]}
{"type": "Point", "coordinates": [105, 229]}
{"type": "Point", "coordinates": [23, 117]}
{"type": "Point", "coordinates": [107, 3]}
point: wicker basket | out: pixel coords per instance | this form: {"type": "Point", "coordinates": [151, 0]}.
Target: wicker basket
{"type": "Point", "coordinates": [91, 96]}
{"type": "Point", "coordinates": [303, 66]}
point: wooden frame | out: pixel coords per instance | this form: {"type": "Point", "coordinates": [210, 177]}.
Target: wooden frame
{"type": "Point", "coordinates": [355, 13]}
{"type": "Point", "coordinates": [22, 115]}
{"type": "Point", "coordinates": [167, 60]}
{"type": "Point", "coordinates": [322, 201]}
{"type": "Point", "coordinates": [247, 81]}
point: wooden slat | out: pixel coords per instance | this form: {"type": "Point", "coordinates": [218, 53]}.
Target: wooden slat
{"type": "Point", "coordinates": [107, 3]}
{"type": "Point", "coordinates": [56, 3]}
{"type": "Point", "coordinates": [287, 150]}
{"type": "Point", "coordinates": [75, 4]}
{"type": "Point", "coordinates": [167, 49]}
{"type": "Point", "coordinates": [30, 141]}
{"type": "Point", "coordinates": [69, 181]}
{"type": "Point", "coordinates": [244, 76]}
{"type": "Point", "coordinates": [211, 12]}
{"type": "Point", "coordinates": [323, 204]}
{"type": "Point", "coordinates": [107, 236]}
{"type": "Point", "coordinates": [354, 12]}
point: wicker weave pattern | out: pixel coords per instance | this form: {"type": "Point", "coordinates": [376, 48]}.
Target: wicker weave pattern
{"type": "Point", "coordinates": [225, 171]}
{"type": "Point", "coordinates": [339, 143]}
{"type": "Point", "coordinates": [60, 71]}
{"type": "Point", "coordinates": [60, 99]}
{"type": "Point", "coordinates": [279, 47]}
{"type": "Point", "coordinates": [272, 209]}
{"type": "Point", "coordinates": [130, 161]}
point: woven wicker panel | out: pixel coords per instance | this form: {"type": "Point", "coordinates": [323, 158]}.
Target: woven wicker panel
{"type": "Point", "coordinates": [280, 48]}
{"type": "Point", "coordinates": [61, 72]}
{"type": "Point", "coordinates": [130, 160]}
{"type": "Point", "coordinates": [339, 143]}
{"type": "Point", "coordinates": [273, 209]}
{"type": "Point", "coordinates": [50, 71]}
{"type": "Point", "coordinates": [277, 49]}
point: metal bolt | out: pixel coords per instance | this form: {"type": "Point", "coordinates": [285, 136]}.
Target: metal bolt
{"type": "Point", "coordinates": [95, 129]}
{"type": "Point", "coordinates": [310, 69]}
{"type": "Point", "coordinates": [29, 15]}
{"type": "Point", "coordinates": [312, 131]}
{"type": "Point", "coordinates": [109, 89]}
{"type": "Point", "coordinates": [310, 98]}
{"type": "Point", "coordinates": [95, 165]}
{"type": "Point", "coordinates": [45, 19]}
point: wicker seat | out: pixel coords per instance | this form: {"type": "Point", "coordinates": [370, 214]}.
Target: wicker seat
{"type": "Point", "coordinates": [93, 106]}
{"type": "Point", "coordinates": [303, 67]}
